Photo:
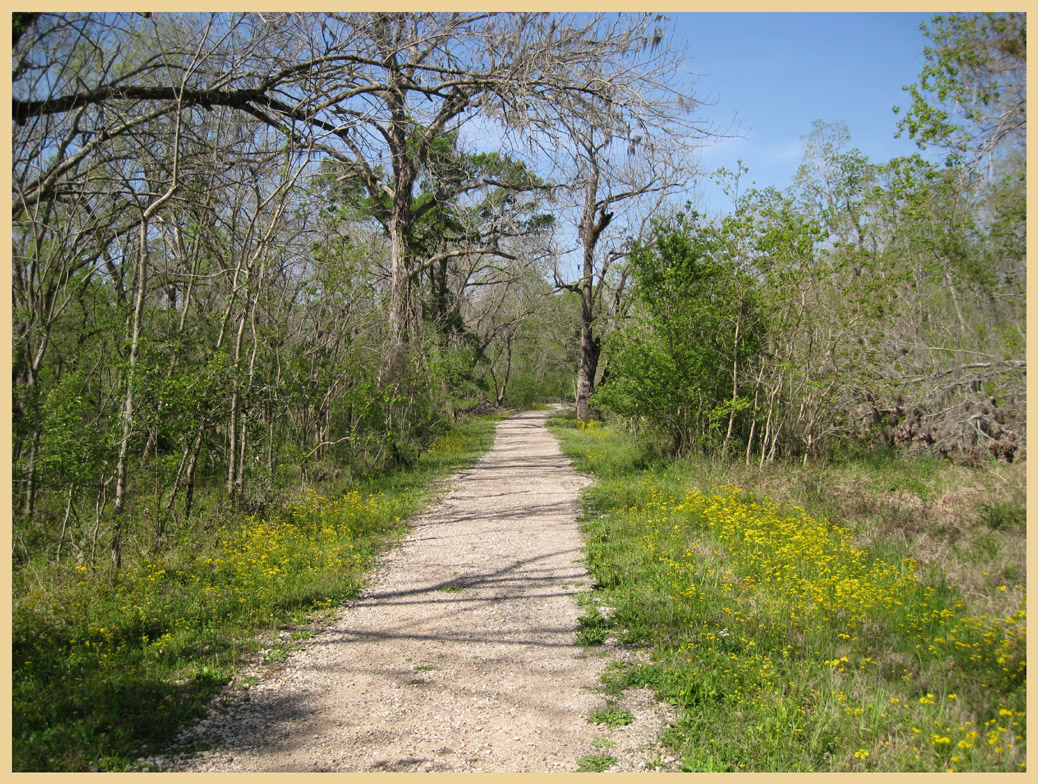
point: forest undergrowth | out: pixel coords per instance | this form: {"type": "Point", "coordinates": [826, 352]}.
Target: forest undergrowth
{"type": "Point", "coordinates": [863, 614]}
{"type": "Point", "coordinates": [107, 666]}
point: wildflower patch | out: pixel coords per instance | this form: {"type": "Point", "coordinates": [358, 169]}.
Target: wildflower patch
{"type": "Point", "coordinates": [107, 666]}
{"type": "Point", "coordinates": [825, 656]}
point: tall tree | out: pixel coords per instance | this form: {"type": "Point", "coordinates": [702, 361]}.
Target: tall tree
{"type": "Point", "coordinates": [424, 75]}
{"type": "Point", "coordinates": [617, 151]}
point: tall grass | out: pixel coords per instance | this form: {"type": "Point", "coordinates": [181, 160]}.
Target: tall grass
{"type": "Point", "coordinates": [786, 644]}
{"type": "Point", "coordinates": [108, 667]}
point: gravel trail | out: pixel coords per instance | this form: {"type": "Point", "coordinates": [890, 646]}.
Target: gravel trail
{"type": "Point", "coordinates": [460, 656]}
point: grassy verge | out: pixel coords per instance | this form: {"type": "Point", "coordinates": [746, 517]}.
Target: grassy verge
{"type": "Point", "coordinates": [108, 668]}
{"type": "Point", "coordinates": [790, 643]}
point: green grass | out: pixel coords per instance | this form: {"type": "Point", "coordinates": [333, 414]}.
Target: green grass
{"type": "Point", "coordinates": [595, 763]}
{"type": "Point", "coordinates": [108, 668]}
{"type": "Point", "coordinates": [787, 642]}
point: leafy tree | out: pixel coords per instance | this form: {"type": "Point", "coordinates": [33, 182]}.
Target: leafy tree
{"type": "Point", "coordinates": [837, 186]}
{"type": "Point", "coordinates": [971, 97]}
{"type": "Point", "coordinates": [694, 323]}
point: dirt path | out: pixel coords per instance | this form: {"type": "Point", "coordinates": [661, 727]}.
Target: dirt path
{"type": "Point", "coordinates": [461, 655]}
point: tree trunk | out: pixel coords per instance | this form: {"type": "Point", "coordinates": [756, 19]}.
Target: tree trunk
{"type": "Point", "coordinates": [29, 505]}
{"type": "Point", "coordinates": [735, 389]}
{"type": "Point", "coordinates": [767, 426]}
{"type": "Point", "coordinates": [189, 488]}
{"type": "Point", "coordinates": [235, 412]}
{"type": "Point", "coordinates": [232, 444]}
{"type": "Point", "coordinates": [128, 400]}
{"type": "Point", "coordinates": [508, 369]}
{"type": "Point", "coordinates": [590, 346]}
{"type": "Point", "coordinates": [590, 349]}
{"type": "Point", "coordinates": [753, 419]}
{"type": "Point", "coordinates": [399, 226]}
{"type": "Point", "coordinates": [398, 293]}
{"type": "Point", "coordinates": [135, 333]}
{"type": "Point", "coordinates": [33, 414]}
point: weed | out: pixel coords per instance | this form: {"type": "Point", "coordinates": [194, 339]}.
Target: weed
{"type": "Point", "coordinates": [593, 628]}
{"type": "Point", "coordinates": [1003, 515]}
{"type": "Point", "coordinates": [603, 743]}
{"type": "Point", "coordinates": [596, 763]}
{"type": "Point", "coordinates": [620, 676]}
{"type": "Point", "coordinates": [611, 717]}
{"type": "Point", "coordinates": [276, 654]}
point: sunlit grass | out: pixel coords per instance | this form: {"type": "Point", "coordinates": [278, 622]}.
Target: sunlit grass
{"type": "Point", "coordinates": [786, 645]}
{"type": "Point", "coordinates": [107, 667]}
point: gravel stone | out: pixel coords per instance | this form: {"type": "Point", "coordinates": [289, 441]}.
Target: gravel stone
{"type": "Point", "coordinates": [485, 676]}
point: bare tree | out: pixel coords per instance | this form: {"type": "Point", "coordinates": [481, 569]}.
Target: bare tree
{"type": "Point", "coordinates": [284, 70]}
{"type": "Point", "coordinates": [620, 150]}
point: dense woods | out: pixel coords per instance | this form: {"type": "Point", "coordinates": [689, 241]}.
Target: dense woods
{"type": "Point", "coordinates": [253, 250]}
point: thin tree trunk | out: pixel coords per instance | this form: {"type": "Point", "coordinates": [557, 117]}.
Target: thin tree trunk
{"type": "Point", "coordinates": [168, 504]}
{"type": "Point", "coordinates": [64, 525]}
{"type": "Point", "coordinates": [508, 371]}
{"type": "Point", "coordinates": [99, 509]}
{"type": "Point", "coordinates": [32, 382]}
{"type": "Point", "coordinates": [735, 389]}
{"type": "Point", "coordinates": [138, 311]}
{"type": "Point", "coordinates": [29, 505]}
{"type": "Point", "coordinates": [232, 444]}
{"type": "Point", "coordinates": [767, 425]}
{"type": "Point", "coordinates": [189, 488]}
{"type": "Point", "coordinates": [955, 300]}
{"type": "Point", "coordinates": [128, 400]}
{"type": "Point", "coordinates": [756, 409]}
{"type": "Point", "coordinates": [239, 480]}
{"type": "Point", "coordinates": [148, 444]}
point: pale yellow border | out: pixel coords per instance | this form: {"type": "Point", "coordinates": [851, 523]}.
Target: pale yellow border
{"type": "Point", "coordinates": [503, 5]}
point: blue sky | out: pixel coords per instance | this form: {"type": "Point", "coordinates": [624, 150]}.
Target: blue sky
{"type": "Point", "coordinates": [775, 73]}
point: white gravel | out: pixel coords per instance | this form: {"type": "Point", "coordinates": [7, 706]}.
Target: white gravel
{"type": "Point", "coordinates": [460, 656]}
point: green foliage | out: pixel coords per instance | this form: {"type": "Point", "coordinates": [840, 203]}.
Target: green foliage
{"type": "Point", "coordinates": [21, 22]}
{"type": "Point", "coordinates": [611, 717]}
{"type": "Point", "coordinates": [593, 628]}
{"type": "Point", "coordinates": [696, 321]}
{"type": "Point", "coordinates": [595, 763]}
{"type": "Point", "coordinates": [544, 351]}
{"type": "Point", "coordinates": [971, 93]}
{"type": "Point", "coordinates": [73, 449]}
{"type": "Point", "coordinates": [881, 303]}
{"type": "Point", "coordinates": [1001, 515]}
{"type": "Point", "coordinates": [837, 187]}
